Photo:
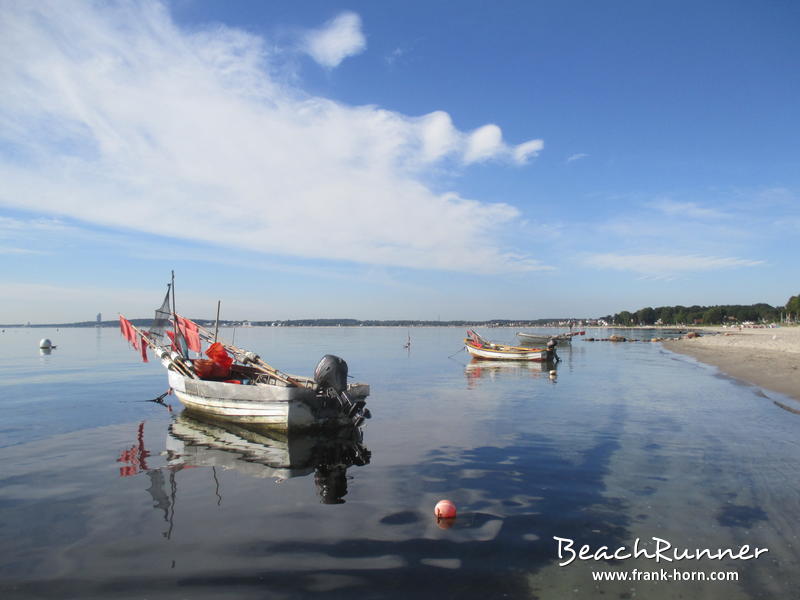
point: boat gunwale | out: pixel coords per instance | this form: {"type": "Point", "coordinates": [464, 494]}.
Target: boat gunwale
{"type": "Point", "coordinates": [522, 354]}
{"type": "Point", "coordinates": [503, 348]}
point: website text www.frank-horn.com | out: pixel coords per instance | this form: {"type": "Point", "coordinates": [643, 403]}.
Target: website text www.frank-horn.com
{"type": "Point", "coordinates": [664, 575]}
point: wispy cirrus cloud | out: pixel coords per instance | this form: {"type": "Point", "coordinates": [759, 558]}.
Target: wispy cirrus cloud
{"type": "Point", "coordinates": [687, 210]}
{"type": "Point", "coordinates": [15, 250]}
{"type": "Point", "coordinates": [29, 237]}
{"type": "Point", "coordinates": [14, 226]}
{"type": "Point", "coordinates": [665, 265]}
{"type": "Point", "coordinates": [113, 115]}
{"type": "Point", "coordinates": [395, 55]}
{"type": "Point", "coordinates": [577, 156]}
{"type": "Point", "coordinates": [336, 40]}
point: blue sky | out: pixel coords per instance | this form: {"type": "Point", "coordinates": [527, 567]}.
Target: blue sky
{"type": "Point", "coordinates": [397, 160]}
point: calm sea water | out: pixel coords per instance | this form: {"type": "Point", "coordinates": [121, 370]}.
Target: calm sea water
{"type": "Point", "coordinates": [106, 495]}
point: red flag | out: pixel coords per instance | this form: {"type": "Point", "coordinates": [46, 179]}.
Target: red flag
{"type": "Point", "coordinates": [190, 333]}
{"type": "Point", "coordinates": [171, 336]}
{"type": "Point", "coordinates": [127, 330]}
{"type": "Point", "coordinates": [144, 350]}
{"type": "Point", "coordinates": [134, 339]}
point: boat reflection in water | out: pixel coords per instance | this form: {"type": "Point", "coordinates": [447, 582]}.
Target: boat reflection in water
{"type": "Point", "coordinates": [196, 442]}
{"type": "Point", "coordinates": [478, 369]}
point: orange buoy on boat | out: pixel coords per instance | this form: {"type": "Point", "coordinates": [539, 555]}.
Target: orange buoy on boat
{"type": "Point", "coordinates": [445, 509]}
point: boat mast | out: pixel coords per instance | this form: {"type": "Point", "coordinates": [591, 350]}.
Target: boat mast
{"type": "Point", "coordinates": [175, 315]}
{"type": "Point", "coordinates": [216, 327]}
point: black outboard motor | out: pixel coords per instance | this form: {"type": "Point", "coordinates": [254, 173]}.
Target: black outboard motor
{"type": "Point", "coordinates": [331, 373]}
{"type": "Point", "coordinates": [552, 355]}
{"type": "Point", "coordinates": [331, 378]}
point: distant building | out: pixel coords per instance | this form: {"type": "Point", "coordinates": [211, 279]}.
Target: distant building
{"type": "Point", "coordinates": [99, 318]}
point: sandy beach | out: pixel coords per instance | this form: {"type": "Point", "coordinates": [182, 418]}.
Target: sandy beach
{"type": "Point", "coordinates": [768, 358]}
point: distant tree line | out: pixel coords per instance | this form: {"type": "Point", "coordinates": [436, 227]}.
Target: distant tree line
{"type": "Point", "coordinates": [707, 315]}
{"type": "Point", "coordinates": [793, 308]}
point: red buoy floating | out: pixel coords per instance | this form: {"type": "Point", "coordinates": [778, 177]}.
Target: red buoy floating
{"type": "Point", "coordinates": [445, 509]}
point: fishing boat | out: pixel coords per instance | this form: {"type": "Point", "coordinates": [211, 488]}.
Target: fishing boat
{"type": "Point", "coordinates": [543, 338]}
{"type": "Point", "coordinates": [236, 385]}
{"type": "Point", "coordinates": [481, 348]}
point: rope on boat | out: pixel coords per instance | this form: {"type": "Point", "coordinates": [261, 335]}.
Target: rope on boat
{"type": "Point", "coordinates": [159, 400]}
{"type": "Point", "coordinates": [454, 353]}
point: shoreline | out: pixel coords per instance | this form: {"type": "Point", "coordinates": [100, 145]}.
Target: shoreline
{"type": "Point", "coordinates": [767, 358]}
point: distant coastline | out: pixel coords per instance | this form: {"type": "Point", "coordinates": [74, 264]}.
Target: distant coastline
{"type": "Point", "coordinates": [581, 323]}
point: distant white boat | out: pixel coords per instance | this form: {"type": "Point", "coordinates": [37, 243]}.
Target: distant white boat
{"type": "Point", "coordinates": [543, 338]}
{"type": "Point", "coordinates": [481, 348]}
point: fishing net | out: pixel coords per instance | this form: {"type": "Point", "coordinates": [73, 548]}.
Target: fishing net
{"type": "Point", "coordinates": [161, 322]}
{"type": "Point", "coordinates": [219, 365]}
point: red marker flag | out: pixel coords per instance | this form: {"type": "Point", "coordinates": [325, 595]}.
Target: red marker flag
{"type": "Point", "coordinates": [127, 331]}
{"type": "Point", "coordinates": [190, 333]}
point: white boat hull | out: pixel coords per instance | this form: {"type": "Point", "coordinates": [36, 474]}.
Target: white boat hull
{"type": "Point", "coordinates": [279, 407]}
{"type": "Point", "coordinates": [537, 338]}
{"type": "Point", "coordinates": [508, 353]}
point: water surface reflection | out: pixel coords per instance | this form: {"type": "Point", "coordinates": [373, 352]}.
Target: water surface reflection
{"type": "Point", "coordinates": [632, 442]}
{"type": "Point", "coordinates": [194, 442]}
{"type": "Point", "coordinates": [478, 369]}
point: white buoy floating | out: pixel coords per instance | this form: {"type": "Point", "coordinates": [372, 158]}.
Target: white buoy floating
{"type": "Point", "coordinates": [45, 344]}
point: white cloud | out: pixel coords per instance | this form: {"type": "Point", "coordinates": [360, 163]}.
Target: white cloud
{"type": "Point", "coordinates": [575, 157]}
{"type": "Point", "coordinates": [339, 38]}
{"type": "Point", "coordinates": [439, 137]}
{"type": "Point", "coordinates": [487, 143]}
{"type": "Point", "coordinates": [14, 250]}
{"type": "Point", "coordinates": [665, 264]}
{"type": "Point", "coordinates": [528, 150]}
{"type": "Point", "coordinates": [484, 143]}
{"type": "Point", "coordinates": [687, 210]}
{"type": "Point", "coordinates": [10, 225]}
{"type": "Point", "coordinates": [112, 115]}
